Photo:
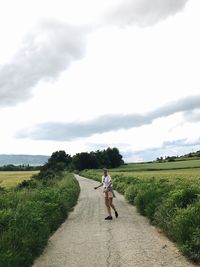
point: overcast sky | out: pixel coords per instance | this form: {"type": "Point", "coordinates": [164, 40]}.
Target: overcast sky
{"type": "Point", "coordinates": [84, 75]}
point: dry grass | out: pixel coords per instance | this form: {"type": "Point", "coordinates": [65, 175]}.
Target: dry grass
{"type": "Point", "coordinates": [12, 178]}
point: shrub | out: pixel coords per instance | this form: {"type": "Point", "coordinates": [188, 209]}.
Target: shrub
{"type": "Point", "coordinates": [27, 184]}
{"type": "Point", "coordinates": [29, 215]}
{"type": "Point", "coordinates": [131, 192]}
{"type": "Point", "coordinates": [178, 198]}
{"type": "Point", "coordinates": [185, 230]}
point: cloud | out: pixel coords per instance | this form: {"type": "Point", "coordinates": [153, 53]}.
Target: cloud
{"type": "Point", "coordinates": [53, 46]}
{"type": "Point", "coordinates": [45, 53]}
{"type": "Point", "coordinates": [143, 12]}
{"type": "Point", "coordinates": [69, 131]}
{"type": "Point", "coordinates": [193, 116]}
{"type": "Point", "coordinates": [100, 146]}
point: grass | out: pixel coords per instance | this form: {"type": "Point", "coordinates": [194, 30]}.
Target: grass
{"type": "Point", "coordinates": [10, 179]}
{"type": "Point", "coordinates": [186, 164]}
{"type": "Point", "coordinates": [174, 174]}
{"type": "Point", "coordinates": [30, 214]}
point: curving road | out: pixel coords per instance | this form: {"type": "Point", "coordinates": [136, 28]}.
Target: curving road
{"type": "Point", "coordinates": [85, 239]}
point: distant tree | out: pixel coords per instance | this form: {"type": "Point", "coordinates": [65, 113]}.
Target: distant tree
{"type": "Point", "coordinates": [85, 160]}
{"type": "Point", "coordinates": [110, 158]}
{"type": "Point", "coordinates": [114, 157]}
{"type": "Point", "coordinates": [58, 162]}
{"type": "Point", "coordinates": [159, 159]}
{"type": "Point", "coordinates": [103, 159]}
{"type": "Point", "coordinates": [60, 157]}
{"type": "Point", "coordinates": [171, 159]}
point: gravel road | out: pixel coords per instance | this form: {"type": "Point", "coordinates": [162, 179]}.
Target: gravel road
{"type": "Point", "coordinates": [85, 239]}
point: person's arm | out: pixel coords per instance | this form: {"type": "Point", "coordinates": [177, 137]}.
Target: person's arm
{"type": "Point", "coordinates": [98, 186]}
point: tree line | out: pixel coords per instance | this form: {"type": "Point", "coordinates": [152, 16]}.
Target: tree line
{"type": "Point", "coordinates": [11, 167]}
{"type": "Point", "coordinates": [60, 160]}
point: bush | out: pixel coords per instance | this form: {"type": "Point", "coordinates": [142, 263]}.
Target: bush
{"type": "Point", "coordinates": [131, 192]}
{"type": "Point", "coordinates": [28, 215]}
{"type": "Point", "coordinates": [185, 230]}
{"type": "Point", "coordinates": [178, 198]}
{"type": "Point", "coordinates": [27, 184]}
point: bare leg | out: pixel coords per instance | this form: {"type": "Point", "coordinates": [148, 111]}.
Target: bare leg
{"type": "Point", "coordinates": [107, 206]}
{"type": "Point", "coordinates": [111, 204]}
{"type": "Point", "coordinates": [113, 207]}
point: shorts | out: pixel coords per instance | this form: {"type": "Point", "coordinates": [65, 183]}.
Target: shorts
{"type": "Point", "coordinates": [108, 194]}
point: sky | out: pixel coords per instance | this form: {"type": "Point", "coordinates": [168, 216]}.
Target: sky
{"type": "Point", "coordinates": [87, 75]}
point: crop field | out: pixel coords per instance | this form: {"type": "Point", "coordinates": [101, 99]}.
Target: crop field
{"type": "Point", "coordinates": [12, 178]}
{"type": "Point", "coordinates": [190, 175]}
{"type": "Point", "coordinates": [185, 164]}
{"type": "Point", "coordinates": [168, 194]}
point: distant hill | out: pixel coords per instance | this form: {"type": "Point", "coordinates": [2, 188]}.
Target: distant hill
{"type": "Point", "coordinates": [192, 155]}
{"type": "Point", "coordinates": [32, 160]}
{"type": "Point", "coordinates": [189, 156]}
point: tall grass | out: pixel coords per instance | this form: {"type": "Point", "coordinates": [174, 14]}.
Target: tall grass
{"type": "Point", "coordinates": [30, 213]}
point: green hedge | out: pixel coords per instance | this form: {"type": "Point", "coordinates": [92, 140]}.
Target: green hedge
{"type": "Point", "coordinates": [171, 204]}
{"type": "Point", "coordinates": [29, 215]}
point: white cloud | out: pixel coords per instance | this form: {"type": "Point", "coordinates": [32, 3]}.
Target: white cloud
{"type": "Point", "coordinates": [193, 116]}
{"type": "Point", "coordinates": [143, 12]}
{"type": "Point", "coordinates": [44, 55]}
{"type": "Point", "coordinates": [54, 46]}
{"type": "Point", "coordinates": [106, 123]}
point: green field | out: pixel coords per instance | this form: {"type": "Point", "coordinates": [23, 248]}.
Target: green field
{"type": "Point", "coordinates": [168, 193]}
{"type": "Point", "coordinates": [186, 164]}
{"type": "Point", "coordinates": [180, 170]}
{"type": "Point", "coordinates": [180, 174]}
{"type": "Point", "coordinates": [12, 178]}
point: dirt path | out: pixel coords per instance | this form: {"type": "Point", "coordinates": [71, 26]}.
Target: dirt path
{"type": "Point", "coordinates": [87, 240]}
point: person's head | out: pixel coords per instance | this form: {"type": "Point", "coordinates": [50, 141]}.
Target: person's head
{"type": "Point", "coordinates": [105, 171]}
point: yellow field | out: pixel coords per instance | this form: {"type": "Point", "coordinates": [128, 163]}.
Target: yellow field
{"type": "Point", "coordinates": [12, 178]}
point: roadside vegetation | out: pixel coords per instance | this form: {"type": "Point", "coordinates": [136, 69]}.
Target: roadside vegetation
{"type": "Point", "coordinates": [33, 210]}
{"type": "Point", "coordinates": [167, 195]}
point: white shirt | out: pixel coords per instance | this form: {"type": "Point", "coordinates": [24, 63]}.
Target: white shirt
{"type": "Point", "coordinates": [106, 181]}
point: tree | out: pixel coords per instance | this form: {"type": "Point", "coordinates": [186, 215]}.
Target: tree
{"type": "Point", "coordinates": [85, 160]}
{"type": "Point", "coordinates": [114, 157]}
{"type": "Point", "coordinates": [102, 158]}
{"type": "Point", "coordinates": [58, 162]}
{"type": "Point", "coordinates": [60, 157]}
{"type": "Point", "coordinates": [110, 158]}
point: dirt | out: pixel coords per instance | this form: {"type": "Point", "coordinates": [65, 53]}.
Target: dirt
{"type": "Point", "coordinates": [85, 239]}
